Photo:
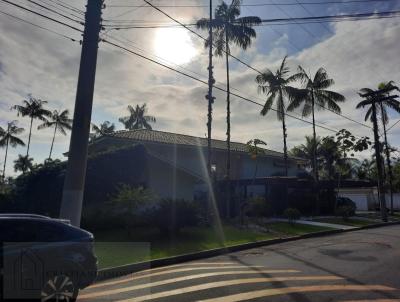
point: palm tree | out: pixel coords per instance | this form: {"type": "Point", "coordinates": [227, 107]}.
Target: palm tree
{"type": "Point", "coordinates": [316, 93]}
{"type": "Point", "coordinates": [33, 108]}
{"type": "Point", "coordinates": [254, 151]}
{"type": "Point", "coordinates": [277, 89]}
{"type": "Point", "coordinates": [9, 137]}
{"type": "Point", "coordinates": [103, 129]}
{"type": "Point", "coordinates": [395, 105]}
{"type": "Point", "coordinates": [137, 118]}
{"type": "Point", "coordinates": [306, 150]}
{"type": "Point", "coordinates": [60, 122]}
{"type": "Point", "coordinates": [229, 29]}
{"type": "Point", "coordinates": [23, 163]}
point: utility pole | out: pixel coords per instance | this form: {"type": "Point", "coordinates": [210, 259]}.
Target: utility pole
{"type": "Point", "coordinates": [377, 98]}
{"type": "Point", "coordinates": [72, 198]}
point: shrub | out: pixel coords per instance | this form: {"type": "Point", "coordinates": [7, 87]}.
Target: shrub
{"type": "Point", "coordinates": [258, 207]}
{"type": "Point", "coordinates": [345, 211]}
{"type": "Point", "coordinates": [169, 215]}
{"type": "Point", "coordinates": [292, 215]}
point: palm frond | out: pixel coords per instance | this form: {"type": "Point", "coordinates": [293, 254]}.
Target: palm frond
{"type": "Point", "coordinates": [268, 104]}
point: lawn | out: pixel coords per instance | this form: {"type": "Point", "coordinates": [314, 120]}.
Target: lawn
{"type": "Point", "coordinates": [349, 222]}
{"type": "Point", "coordinates": [115, 247]}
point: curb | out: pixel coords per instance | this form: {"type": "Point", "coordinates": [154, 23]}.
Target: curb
{"type": "Point", "coordinates": [123, 270]}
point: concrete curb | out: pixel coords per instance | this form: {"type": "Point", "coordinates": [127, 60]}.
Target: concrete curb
{"type": "Point", "coordinates": [123, 270]}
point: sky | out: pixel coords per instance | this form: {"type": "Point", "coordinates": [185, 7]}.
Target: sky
{"type": "Point", "coordinates": [45, 65]}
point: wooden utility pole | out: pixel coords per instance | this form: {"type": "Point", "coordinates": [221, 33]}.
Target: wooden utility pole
{"type": "Point", "coordinates": [72, 198]}
{"type": "Point", "coordinates": [377, 98]}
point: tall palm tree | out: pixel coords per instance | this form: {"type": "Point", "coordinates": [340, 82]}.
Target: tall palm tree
{"type": "Point", "coordinates": [9, 137]}
{"type": "Point", "coordinates": [395, 105]}
{"type": "Point", "coordinates": [277, 89]}
{"type": "Point", "coordinates": [23, 163]}
{"type": "Point", "coordinates": [60, 122]}
{"type": "Point", "coordinates": [229, 29]}
{"type": "Point", "coordinates": [33, 108]}
{"type": "Point", "coordinates": [315, 93]}
{"type": "Point", "coordinates": [137, 118]}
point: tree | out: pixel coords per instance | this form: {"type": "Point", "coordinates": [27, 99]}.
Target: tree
{"type": "Point", "coordinates": [229, 29]}
{"type": "Point", "coordinates": [315, 93]}
{"type": "Point", "coordinates": [254, 151]}
{"type": "Point", "coordinates": [306, 150]}
{"type": "Point", "coordinates": [33, 108]}
{"type": "Point", "coordinates": [9, 137]}
{"type": "Point", "coordinates": [103, 129]}
{"type": "Point", "coordinates": [277, 89]}
{"type": "Point", "coordinates": [23, 163]}
{"type": "Point", "coordinates": [60, 122]}
{"type": "Point", "coordinates": [395, 105]}
{"type": "Point", "coordinates": [137, 118]}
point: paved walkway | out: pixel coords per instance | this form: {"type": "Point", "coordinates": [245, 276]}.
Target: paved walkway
{"type": "Point", "coordinates": [321, 224]}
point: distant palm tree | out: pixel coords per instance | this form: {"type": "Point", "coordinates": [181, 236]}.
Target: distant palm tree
{"type": "Point", "coordinates": [277, 89]}
{"type": "Point", "coordinates": [104, 128]}
{"type": "Point", "coordinates": [306, 150]}
{"type": "Point", "coordinates": [229, 29]}
{"type": "Point", "coordinates": [33, 108]}
{"type": "Point", "coordinates": [9, 137]}
{"type": "Point", "coordinates": [316, 93]}
{"type": "Point", "coordinates": [60, 122]}
{"type": "Point", "coordinates": [23, 163]}
{"type": "Point", "coordinates": [254, 151]}
{"type": "Point", "coordinates": [137, 118]}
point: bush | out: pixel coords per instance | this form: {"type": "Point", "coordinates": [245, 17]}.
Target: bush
{"type": "Point", "coordinates": [169, 215]}
{"type": "Point", "coordinates": [345, 212]}
{"type": "Point", "coordinates": [258, 207]}
{"type": "Point", "coordinates": [346, 202]}
{"type": "Point", "coordinates": [292, 215]}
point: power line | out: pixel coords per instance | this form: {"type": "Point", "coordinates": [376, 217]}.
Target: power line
{"type": "Point", "coordinates": [393, 125]}
{"type": "Point", "coordinates": [206, 83]}
{"type": "Point", "coordinates": [68, 11]}
{"type": "Point", "coordinates": [56, 12]}
{"type": "Point", "coordinates": [244, 63]}
{"type": "Point", "coordinates": [256, 4]}
{"type": "Point", "coordinates": [43, 16]}
{"type": "Point", "coordinates": [39, 26]}
{"type": "Point", "coordinates": [67, 6]}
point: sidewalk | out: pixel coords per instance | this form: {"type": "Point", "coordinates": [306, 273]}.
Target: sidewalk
{"type": "Point", "coordinates": [321, 224]}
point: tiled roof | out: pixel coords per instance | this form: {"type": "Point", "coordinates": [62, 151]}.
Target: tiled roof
{"type": "Point", "coordinates": [154, 136]}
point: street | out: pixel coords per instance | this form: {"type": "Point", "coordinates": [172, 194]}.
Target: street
{"type": "Point", "coordinates": [355, 266]}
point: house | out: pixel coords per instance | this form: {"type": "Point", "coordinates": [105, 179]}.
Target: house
{"type": "Point", "coordinates": [176, 164]}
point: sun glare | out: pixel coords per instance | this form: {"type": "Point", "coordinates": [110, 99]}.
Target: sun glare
{"type": "Point", "coordinates": [174, 45]}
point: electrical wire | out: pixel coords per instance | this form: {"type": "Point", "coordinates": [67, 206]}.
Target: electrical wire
{"type": "Point", "coordinates": [56, 12]}
{"type": "Point", "coordinates": [41, 15]}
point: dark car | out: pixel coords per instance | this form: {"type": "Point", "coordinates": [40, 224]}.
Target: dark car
{"type": "Point", "coordinates": [44, 259]}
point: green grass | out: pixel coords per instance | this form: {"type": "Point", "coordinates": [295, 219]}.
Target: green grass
{"type": "Point", "coordinates": [287, 229]}
{"type": "Point", "coordinates": [115, 247]}
{"type": "Point", "coordinates": [349, 222]}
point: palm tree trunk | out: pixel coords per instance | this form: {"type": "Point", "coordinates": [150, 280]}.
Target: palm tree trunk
{"type": "Point", "coordinates": [52, 142]}
{"type": "Point", "coordinates": [228, 128]}
{"type": "Point", "coordinates": [5, 161]}
{"type": "Point", "coordinates": [315, 139]}
{"type": "Point", "coordinates": [378, 159]}
{"type": "Point", "coordinates": [29, 138]}
{"type": "Point", "coordinates": [285, 152]}
{"type": "Point", "coordinates": [389, 164]}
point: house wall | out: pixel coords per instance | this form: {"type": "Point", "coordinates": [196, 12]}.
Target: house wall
{"type": "Point", "coordinates": [168, 182]}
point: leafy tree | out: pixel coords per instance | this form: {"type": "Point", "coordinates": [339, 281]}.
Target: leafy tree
{"type": "Point", "coordinates": [32, 108]}
{"type": "Point", "coordinates": [315, 93]}
{"type": "Point", "coordinates": [277, 88]}
{"type": "Point", "coordinates": [104, 128]}
{"type": "Point", "coordinates": [229, 29]}
{"type": "Point", "coordinates": [60, 122]}
{"type": "Point", "coordinates": [9, 137]}
{"type": "Point", "coordinates": [254, 151]}
{"type": "Point", "coordinates": [306, 150]}
{"type": "Point", "coordinates": [137, 118]}
{"type": "Point", "coordinates": [23, 163]}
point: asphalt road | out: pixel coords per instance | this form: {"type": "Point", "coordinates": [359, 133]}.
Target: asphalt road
{"type": "Point", "coordinates": [355, 266]}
